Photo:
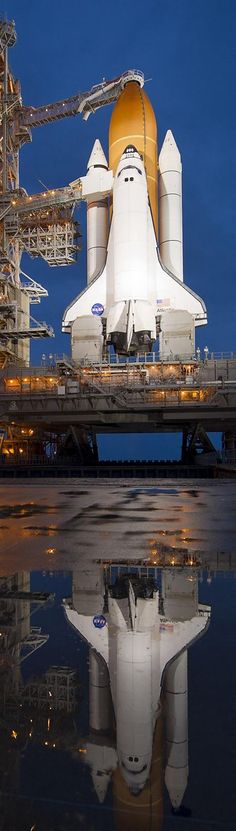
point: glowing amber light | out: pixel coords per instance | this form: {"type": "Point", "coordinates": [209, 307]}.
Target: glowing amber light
{"type": "Point", "coordinates": [14, 734]}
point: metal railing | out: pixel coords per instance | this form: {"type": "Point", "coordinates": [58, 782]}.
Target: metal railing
{"type": "Point", "coordinates": [229, 457]}
{"type": "Point", "coordinates": [150, 358]}
{"type": "Point", "coordinates": [54, 362]}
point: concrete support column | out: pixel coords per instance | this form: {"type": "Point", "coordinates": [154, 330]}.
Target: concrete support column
{"type": "Point", "coordinates": [229, 446]}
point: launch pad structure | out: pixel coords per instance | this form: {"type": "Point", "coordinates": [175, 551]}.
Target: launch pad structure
{"type": "Point", "coordinates": [40, 224]}
{"type": "Point", "coordinates": [54, 413]}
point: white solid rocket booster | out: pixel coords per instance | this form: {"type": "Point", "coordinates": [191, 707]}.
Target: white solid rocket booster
{"type": "Point", "coordinates": [97, 219]}
{"type": "Point", "coordinates": [176, 687]}
{"type": "Point", "coordinates": [99, 693]}
{"type": "Point", "coordinates": [171, 223]}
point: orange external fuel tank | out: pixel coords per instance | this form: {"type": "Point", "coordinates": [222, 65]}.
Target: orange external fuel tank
{"type": "Point", "coordinates": [133, 121]}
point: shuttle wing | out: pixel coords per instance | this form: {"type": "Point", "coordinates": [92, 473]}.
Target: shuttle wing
{"type": "Point", "coordinates": [176, 636]}
{"type": "Point", "coordinates": [168, 290]}
{"type": "Point", "coordinates": [83, 303]}
{"type": "Point", "coordinates": [85, 626]}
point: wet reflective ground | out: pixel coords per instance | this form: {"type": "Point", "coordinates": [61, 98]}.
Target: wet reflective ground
{"type": "Point", "coordinates": [117, 656]}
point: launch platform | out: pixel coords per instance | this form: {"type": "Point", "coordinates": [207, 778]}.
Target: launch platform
{"type": "Point", "coordinates": [54, 414]}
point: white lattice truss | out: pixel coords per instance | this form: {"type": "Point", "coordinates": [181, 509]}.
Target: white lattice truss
{"type": "Point", "coordinates": [56, 244]}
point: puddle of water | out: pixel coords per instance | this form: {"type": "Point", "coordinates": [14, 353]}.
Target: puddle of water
{"type": "Point", "coordinates": [113, 711]}
{"type": "Point", "coordinates": [93, 701]}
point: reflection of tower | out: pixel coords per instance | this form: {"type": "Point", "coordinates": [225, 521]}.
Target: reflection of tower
{"type": "Point", "coordinates": [18, 639]}
{"type": "Point", "coordinates": [14, 625]}
{"type": "Point", "coordinates": [17, 642]}
{"type": "Point", "coordinates": [14, 607]}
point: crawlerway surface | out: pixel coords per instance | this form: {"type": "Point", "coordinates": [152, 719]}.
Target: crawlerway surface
{"type": "Point", "coordinates": [117, 644]}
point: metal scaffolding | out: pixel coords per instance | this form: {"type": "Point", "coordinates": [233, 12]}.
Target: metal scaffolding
{"type": "Point", "coordinates": [43, 224]}
{"type": "Point", "coordinates": [57, 244]}
{"type": "Point", "coordinates": [15, 320]}
{"type": "Point", "coordinates": [56, 690]}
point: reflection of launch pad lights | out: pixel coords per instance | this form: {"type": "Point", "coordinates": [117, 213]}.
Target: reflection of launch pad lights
{"type": "Point", "coordinates": [165, 559]}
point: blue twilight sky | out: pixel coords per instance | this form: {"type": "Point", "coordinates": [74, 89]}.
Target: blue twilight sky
{"type": "Point", "coordinates": [187, 48]}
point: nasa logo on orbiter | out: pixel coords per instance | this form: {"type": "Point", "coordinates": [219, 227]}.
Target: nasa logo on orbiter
{"type": "Point", "coordinates": [99, 621]}
{"type": "Point", "coordinates": [97, 309]}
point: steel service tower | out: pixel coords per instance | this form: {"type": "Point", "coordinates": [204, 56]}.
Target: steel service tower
{"type": "Point", "coordinates": [135, 286]}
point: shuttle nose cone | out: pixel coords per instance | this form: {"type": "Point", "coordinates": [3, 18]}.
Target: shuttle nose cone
{"type": "Point", "coordinates": [133, 122]}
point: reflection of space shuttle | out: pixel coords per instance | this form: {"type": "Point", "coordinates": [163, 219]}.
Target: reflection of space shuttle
{"type": "Point", "coordinates": [135, 286]}
{"type": "Point", "coordinates": [138, 644]}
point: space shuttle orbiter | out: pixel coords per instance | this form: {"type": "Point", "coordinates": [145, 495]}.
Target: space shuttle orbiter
{"type": "Point", "coordinates": [135, 282]}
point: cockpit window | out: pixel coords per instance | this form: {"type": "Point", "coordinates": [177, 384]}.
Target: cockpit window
{"type": "Point", "coordinates": [134, 772]}
{"type": "Point", "coordinates": [130, 167]}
